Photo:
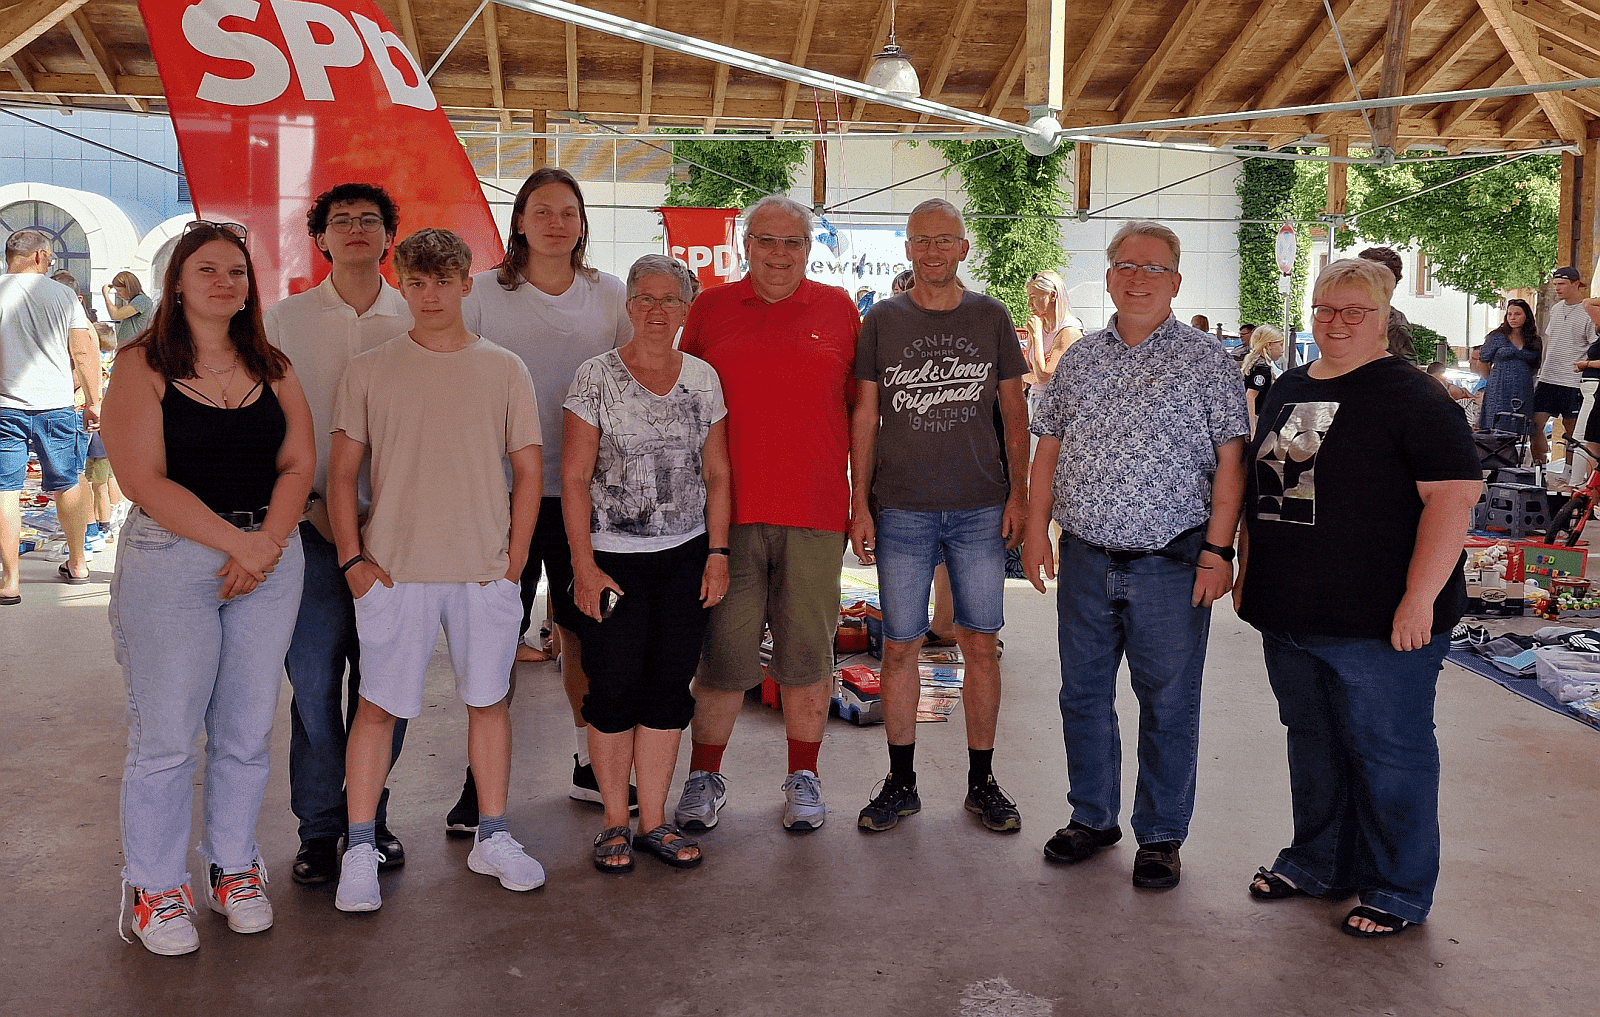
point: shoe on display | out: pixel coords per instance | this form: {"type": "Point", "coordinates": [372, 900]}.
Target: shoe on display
{"type": "Point", "coordinates": [242, 896]}
{"type": "Point", "coordinates": [1466, 634]}
{"type": "Point", "coordinates": [803, 809]}
{"type": "Point", "coordinates": [893, 800]}
{"type": "Point", "coordinates": [358, 880]}
{"type": "Point", "coordinates": [586, 789]}
{"type": "Point", "coordinates": [502, 857]}
{"type": "Point", "coordinates": [463, 818]}
{"type": "Point", "coordinates": [704, 795]}
{"type": "Point", "coordinates": [989, 802]}
{"type": "Point", "coordinates": [164, 922]}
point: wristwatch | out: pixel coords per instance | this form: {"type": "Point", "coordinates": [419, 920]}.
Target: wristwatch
{"type": "Point", "coordinates": [1225, 553]}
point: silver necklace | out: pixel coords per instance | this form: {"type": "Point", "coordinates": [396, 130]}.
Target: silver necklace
{"type": "Point", "coordinates": [225, 370]}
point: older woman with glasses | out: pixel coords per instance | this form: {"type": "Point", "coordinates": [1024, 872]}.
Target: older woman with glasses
{"type": "Point", "coordinates": [645, 493]}
{"type": "Point", "coordinates": [210, 435]}
{"type": "Point", "coordinates": [1360, 464]}
{"type": "Point", "coordinates": [127, 305]}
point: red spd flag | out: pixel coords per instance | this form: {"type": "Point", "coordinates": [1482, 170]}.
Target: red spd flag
{"type": "Point", "coordinates": [274, 103]}
{"type": "Point", "coordinates": [704, 239]}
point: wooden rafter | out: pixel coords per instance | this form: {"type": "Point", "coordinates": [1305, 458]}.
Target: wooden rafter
{"type": "Point", "coordinates": [1092, 51]}
{"type": "Point", "coordinates": [1523, 110]}
{"type": "Point", "coordinates": [497, 81]}
{"type": "Point", "coordinates": [102, 64]}
{"type": "Point", "coordinates": [647, 70]}
{"type": "Point", "coordinates": [1202, 93]}
{"type": "Point", "coordinates": [1289, 72]}
{"type": "Point", "coordinates": [1396, 41]}
{"type": "Point", "coordinates": [1463, 42]}
{"type": "Point", "coordinates": [25, 79]}
{"type": "Point", "coordinates": [24, 22]}
{"type": "Point", "coordinates": [719, 83]}
{"type": "Point", "coordinates": [1520, 41]}
{"type": "Point", "coordinates": [1370, 65]}
{"type": "Point", "coordinates": [572, 67]}
{"type": "Point", "coordinates": [1155, 68]}
{"type": "Point", "coordinates": [947, 53]}
{"type": "Point", "coordinates": [798, 55]}
{"type": "Point", "coordinates": [1498, 73]}
{"type": "Point", "coordinates": [1338, 175]}
{"type": "Point", "coordinates": [880, 35]}
{"type": "Point", "coordinates": [408, 29]}
{"type": "Point", "coordinates": [1583, 29]}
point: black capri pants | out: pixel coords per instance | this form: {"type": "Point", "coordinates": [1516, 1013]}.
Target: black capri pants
{"type": "Point", "coordinates": [640, 660]}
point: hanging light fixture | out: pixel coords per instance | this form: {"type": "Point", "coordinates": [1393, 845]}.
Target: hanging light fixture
{"type": "Point", "coordinates": [891, 70]}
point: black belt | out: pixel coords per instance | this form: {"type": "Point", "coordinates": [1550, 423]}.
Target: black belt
{"type": "Point", "coordinates": [1124, 555]}
{"type": "Point", "coordinates": [245, 520]}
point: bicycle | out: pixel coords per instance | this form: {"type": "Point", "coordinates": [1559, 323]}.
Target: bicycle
{"type": "Point", "coordinates": [1571, 518]}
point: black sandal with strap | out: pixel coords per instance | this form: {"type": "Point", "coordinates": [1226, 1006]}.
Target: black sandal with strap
{"type": "Point", "coordinates": [604, 851]}
{"type": "Point", "coordinates": [1278, 888]}
{"type": "Point", "coordinates": [656, 843]}
{"type": "Point", "coordinates": [1388, 925]}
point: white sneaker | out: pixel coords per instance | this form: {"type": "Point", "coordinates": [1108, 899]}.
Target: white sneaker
{"type": "Point", "coordinates": [358, 880]}
{"type": "Point", "coordinates": [242, 896]}
{"type": "Point", "coordinates": [164, 922]}
{"type": "Point", "coordinates": [501, 856]}
{"type": "Point", "coordinates": [704, 795]}
{"type": "Point", "coordinates": [803, 808]}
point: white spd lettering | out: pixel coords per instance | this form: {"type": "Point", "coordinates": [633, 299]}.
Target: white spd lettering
{"type": "Point", "coordinates": [309, 58]}
{"type": "Point", "coordinates": [721, 258]}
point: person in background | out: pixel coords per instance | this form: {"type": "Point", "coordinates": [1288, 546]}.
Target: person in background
{"type": "Point", "coordinates": [1246, 330]}
{"type": "Point", "coordinates": [1357, 449]}
{"type": "Point", "coordinates": [1259, 367]}
{"type": "Point", "coordinates": [1558, 389]}
{"type": "Point", "coordinates": [1200, 322]}
{"type": "Point", "coordinates": [1588, 368]}
{"type": "Point", "coordinates": [1510, 358]}
{"type": "Point", "coordinates": [70, 281]}
{"type": "Point", "coordinates": [544, 303]}
{"type": "Point", "coordinates": [645, 494]}
{"type": "Point", "coordinates": [1051, 328]}
{"type": "Point", "coordinates": [1398, 329]}
{"type": "Point", "coordinates": [103, 491]}
{"type": "Point", "coordinates": [127, 305]}
{"type": "Point", "coordinates": [211, 437]}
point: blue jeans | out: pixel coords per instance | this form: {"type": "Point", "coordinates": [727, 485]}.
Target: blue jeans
{"type": "Point", "coordinates": [192, 663]}
{"type": "Point", "coordinates": [910, 544]}
{"type": "Point", "coordinates": [57, 438]}
{"type": "Point", "coordinates": [1140, 608]}
{"type": "Point", "coordinates": [325, 699]}
{"type": "Point", "coordinates": [1363, 767]}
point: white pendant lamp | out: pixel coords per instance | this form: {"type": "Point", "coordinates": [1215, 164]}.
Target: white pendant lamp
{"type": "Point", "coordinates": [890, 69]}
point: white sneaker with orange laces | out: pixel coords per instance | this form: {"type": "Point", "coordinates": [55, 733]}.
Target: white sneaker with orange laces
{"type": "Point", "coordinates": [164, 922]}
{"type": "Point", "coordinates": [242, 896]}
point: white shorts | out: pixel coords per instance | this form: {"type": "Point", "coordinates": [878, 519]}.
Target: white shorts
{"type": "Point", "coordinates": [399, 625]}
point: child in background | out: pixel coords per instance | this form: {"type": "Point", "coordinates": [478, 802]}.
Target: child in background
{"type": "Point", "coordinates": [97, 470]}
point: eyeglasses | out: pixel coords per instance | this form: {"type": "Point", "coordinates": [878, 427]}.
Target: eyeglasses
{"type": "Point", "coordinates": [650, 303]}
{"type": "Point", "coordinates": [767, 243]}
{"type": "Point", "coordinates": [369, 223]}
{"type": "Point", "coordinates": [222, 227]}
{"type": "Point", "coordinates": [1348, 315]}
{"type": "Point", "coordinates": [1129, 268]}
{"type": "Point", "coordinates": [943, 242]}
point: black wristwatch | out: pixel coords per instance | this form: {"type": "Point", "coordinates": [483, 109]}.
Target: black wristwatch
{"type": "Point", "coordinates": [1225, 553]}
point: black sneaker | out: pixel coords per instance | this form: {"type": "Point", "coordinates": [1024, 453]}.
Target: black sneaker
{"type": "Point", "coordinates": [586, 789]}
{"type": "Point", "coordinates": [463, 819]}
{"type": "Point", "coordinates": [994, 807]}
{"type": "Point", "coordinates": [893, 800]}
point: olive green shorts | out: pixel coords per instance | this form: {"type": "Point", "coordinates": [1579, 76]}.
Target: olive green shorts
{"type": "Point", "coordinates": [98, 471]}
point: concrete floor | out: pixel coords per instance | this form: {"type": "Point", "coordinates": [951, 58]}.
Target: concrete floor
{"type": "Point", "coordinates": [925, 919]}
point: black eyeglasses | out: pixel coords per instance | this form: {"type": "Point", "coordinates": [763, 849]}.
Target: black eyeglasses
{"type": "Point", "coordinates": [369, 223]}
{"type": "Point", "coordinates": [223, 227]}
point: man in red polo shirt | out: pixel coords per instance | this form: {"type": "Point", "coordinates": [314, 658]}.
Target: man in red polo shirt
{"type": "Point", "coordinates": [784, 347]}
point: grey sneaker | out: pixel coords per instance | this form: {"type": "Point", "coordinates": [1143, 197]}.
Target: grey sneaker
{"type": "Point", "coordinates": [704, 795]}
{"type": "Point", "coordinates": [358, 880]}
{"type": "Point", "coordinates": [803, 810]}
{"type": "Point", "coordinates": [502, 857]}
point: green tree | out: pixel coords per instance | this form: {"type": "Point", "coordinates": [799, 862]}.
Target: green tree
{"type": "Point", "coordinates": [1027, 190]}
{"type": "Point", "coordinates": [1495, 231]}
{"type": "Point", "coordinates": [758, 167]}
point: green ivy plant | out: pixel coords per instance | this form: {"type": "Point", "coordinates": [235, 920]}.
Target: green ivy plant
{"type": "Point", "coordinates": [1012, 183]}
{"type": "Point", "coordinates": [1270, 192]}
{"type": "Point", "coordinates": [759, 166]}
{"type": "Point", "coordinates": [1427, 342]}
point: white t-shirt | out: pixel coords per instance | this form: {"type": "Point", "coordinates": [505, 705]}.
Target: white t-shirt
{"type": "Point", "coordinates": [320, 333]}
{"type": "Point", "coordinates": [552, 335]}
{"type": "Point", "coordinates": [438, 426]}
{"type": "Point", "coordinates": [647, 492]}
{"type": "Point", "coordinates": [1567, 334]}
{"type": "Point", "coordinates": [37, 314]}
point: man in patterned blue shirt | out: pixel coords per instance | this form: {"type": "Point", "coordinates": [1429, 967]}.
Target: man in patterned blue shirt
{"type": "Point", "coordinates": [1141, 436]}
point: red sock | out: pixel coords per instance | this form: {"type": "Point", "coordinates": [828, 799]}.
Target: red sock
{"type": "Point", "coordinates": [803, 755]}
{"type": "Point", "coordinates": [705, 757]}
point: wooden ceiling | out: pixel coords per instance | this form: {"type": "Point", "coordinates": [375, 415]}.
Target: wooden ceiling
{"type": "Point", "coordinates": [1123, 62]}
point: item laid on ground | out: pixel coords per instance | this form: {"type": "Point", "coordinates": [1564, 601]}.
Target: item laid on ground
{"type": "Point", "coordinates": [856, 696]}
{"type": "Point", "coordinates": [1567, 675]}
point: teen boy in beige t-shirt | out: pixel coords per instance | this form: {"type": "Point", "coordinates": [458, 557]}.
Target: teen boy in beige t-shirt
{"type": "Point", "coordinates": [438, 408]}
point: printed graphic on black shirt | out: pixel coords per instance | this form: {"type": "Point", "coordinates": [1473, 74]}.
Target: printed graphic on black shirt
{"type": "Point", "coordinates": [1286, 465]}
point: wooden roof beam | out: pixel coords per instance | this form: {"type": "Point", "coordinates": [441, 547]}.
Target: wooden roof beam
{"type": "Point", "coordinates": [1464, 41]}
{"type": "Point", "coordinates": [1045, 29]}
{"type": "Point", "coordinates": [1370, 64]}
{"type": "Point", "coordinates": [1524, 110]}
{"type": "Point", "coordinates": [1179, 32]}
{"type": "Point", "coordinates": [21, 23]}
{"type": "Point", "coordinates": [647, 70]}
{"type": "Point", "coordinates": [797, 56]}
{"type": "Point", "coordinates": [994, 100]}
{"type": "Point", "coordinates": [880, 35]}
{"type": "Point", "coordinates": [408, 29]}
{"type": "Point", "coordinates": [1277, 89]}
{"type": "Point", "coordinates": [947, 53]}
{"type": "Point", "coordinates": [497, 81]}
{"type": "Point", "coordinates": [572, 66]}
{"type": "Point", "coordinates": [1500, 72]}
{"type": "Point", "coordinates": [1582, 29]}
{"type": "Point", "coordinates": [1195, 102]}
{"type": "Point", "coordinates": [719, 79]}
{"type": "Point", "coordinates": [1083, 68]}
{"type": "Point", "coordinates": [101, 64]}
{"type": "Point", "coordinates": [1396, 41]}
{"type": "Point", "coordinates": [1521, 42]}
{"type": "Point", "coordinates": [25, 80]}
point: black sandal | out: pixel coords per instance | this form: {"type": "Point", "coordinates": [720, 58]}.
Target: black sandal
{"type": "Point", "coordinates": [1388, 925]}
{"type": "Point", "coordinates": [604, 851]}
{"type": "Point", "coordinates": [656, 843]}
{"type": "Point", "coordinates": [1074, 843]}
{"type": "Point", "coordinates": [1278, 888]}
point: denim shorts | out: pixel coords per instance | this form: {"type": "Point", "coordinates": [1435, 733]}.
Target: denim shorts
{"type": "Point", "coordinates": [910, 544]}
{"type": "Point", "coordinates": [57, 438]}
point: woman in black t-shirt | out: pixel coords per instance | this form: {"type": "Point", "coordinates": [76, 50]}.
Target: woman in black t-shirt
{"type": "Point", "coordinates": [210, 436]}
{"type": "Point", "coordinates": [1363, 477]}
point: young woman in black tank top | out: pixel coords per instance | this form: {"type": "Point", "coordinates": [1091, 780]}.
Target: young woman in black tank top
{"type": "Point", "coordinates": [212, 439]}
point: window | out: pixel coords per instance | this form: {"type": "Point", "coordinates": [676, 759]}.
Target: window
{"type": "Point", "coordinates": [67, 240]}
{"type": "Point", "coordinates": [1427, 286]}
